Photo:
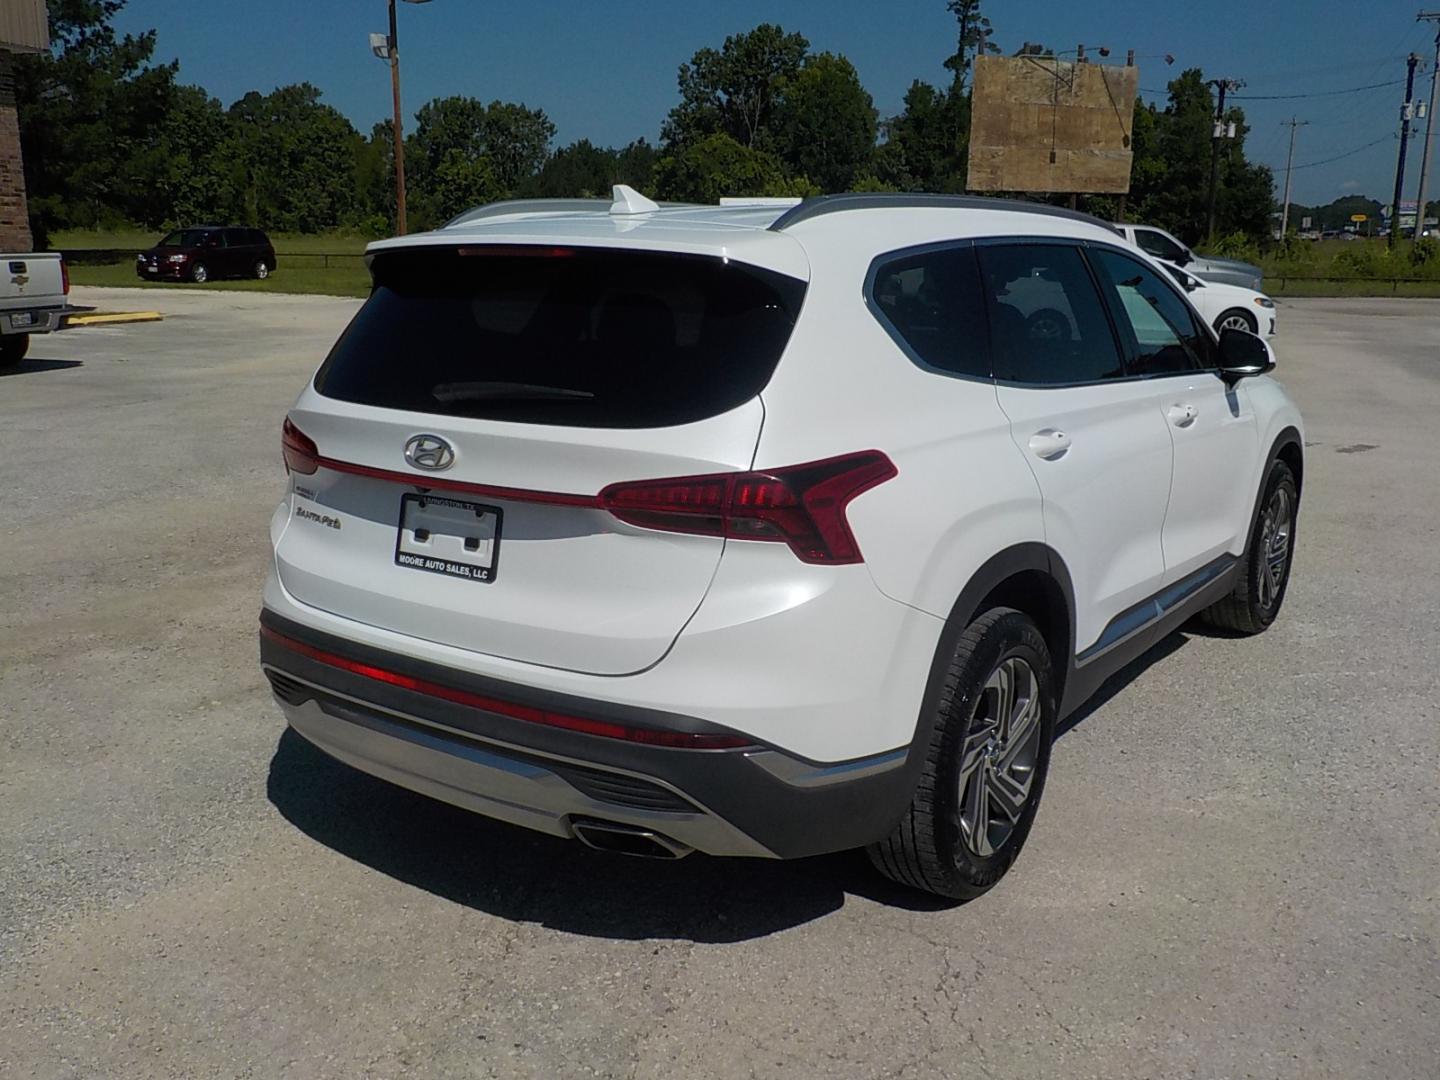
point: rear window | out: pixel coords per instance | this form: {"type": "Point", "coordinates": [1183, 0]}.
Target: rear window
{"type": "Point", "coordinates": [576, 337]}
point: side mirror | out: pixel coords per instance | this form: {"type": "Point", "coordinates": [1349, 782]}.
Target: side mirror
{"type": "Point", "coordinates": [1186, 257]}
{"type": "Point", "coordinates": [1243, 355]}
{"type": "Point", "coordinates": [1189, 284]}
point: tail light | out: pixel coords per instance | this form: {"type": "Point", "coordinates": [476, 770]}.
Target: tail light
{"type": "Point", "coordinates": [800, 505]}
{"type": "Point", "coordinates": [64, 278]}
{"type": "Point", "coordinates": [301, 454]}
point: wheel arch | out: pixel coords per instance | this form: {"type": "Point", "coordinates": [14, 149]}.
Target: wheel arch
{"type": "Point", "coordinates": [1032, 578]}
{"type": "Point", "coordinates": [1288, 447]}
{"type": "Point", "coordinates": [1251, 320]}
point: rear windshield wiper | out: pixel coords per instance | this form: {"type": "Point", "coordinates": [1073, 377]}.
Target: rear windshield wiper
{"type": "Point", "coordinates": [449, 393]}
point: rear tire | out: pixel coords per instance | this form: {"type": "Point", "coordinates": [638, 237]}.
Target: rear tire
{"type": "Point", "coordinates": [13, 348]}
{"type": "Point", "coordinates": [262, 270]}
{"type": "Point", "coordinates": [993, 728]}
{"type": "Point", "coordinates": [199, 274]}
{"type": "Point", "coordinates": [1265, 569]}
{"type": "Point", "coordinates": [1237, 319]}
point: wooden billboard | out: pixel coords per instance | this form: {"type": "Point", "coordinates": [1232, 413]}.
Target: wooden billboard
{"type": "Point", "coordinates": [24, 26]}
{"type": "Point", "coordinates": [1042, 125]}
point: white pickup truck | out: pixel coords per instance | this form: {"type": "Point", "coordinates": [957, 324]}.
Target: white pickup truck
{"type": "Point", "coordinates": [33, 300]}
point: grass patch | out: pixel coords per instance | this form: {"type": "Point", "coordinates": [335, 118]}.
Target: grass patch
{"type": "Point", "coordinates": [304, 266]}
{"type": "Point", "coordinates": [350, 280]}
{"type": "Point", "coordinates": [140, 240]}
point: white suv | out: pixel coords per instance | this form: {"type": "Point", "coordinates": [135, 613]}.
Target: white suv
{"type": "Point", "coordinates": [763, 530]}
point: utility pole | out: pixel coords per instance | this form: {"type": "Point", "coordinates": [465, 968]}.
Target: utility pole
{"type": "Point", "coordinates": [1406, 111]}
{"type": "Point", "coordinates": [1292, 123]}
{"type": "Point", "coordinates": [399, 135]}
{"type": "Point", "coordinates": [1427, 16]}
{"type": "Point", "coordinates": [1219, 134]}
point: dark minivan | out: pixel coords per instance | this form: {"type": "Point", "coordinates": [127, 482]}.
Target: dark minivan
{"type": "Point", "coordinates": [206, 252]}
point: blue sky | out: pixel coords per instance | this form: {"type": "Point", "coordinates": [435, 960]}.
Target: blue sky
{"type": "Point", "coordinates": [606, 71]}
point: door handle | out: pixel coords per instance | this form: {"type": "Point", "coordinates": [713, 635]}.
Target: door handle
{"type": "Point", "coordinates": [1182, 415]}
{"type": "Point", "coordinates": [1049, 444]}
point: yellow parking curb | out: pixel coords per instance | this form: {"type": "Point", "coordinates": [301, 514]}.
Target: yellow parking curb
{"type": "Point", "coordinates": [115, 317]}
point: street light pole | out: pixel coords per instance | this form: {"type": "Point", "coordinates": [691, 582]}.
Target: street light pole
{"type": "Point", "coordinates": [399, 134]}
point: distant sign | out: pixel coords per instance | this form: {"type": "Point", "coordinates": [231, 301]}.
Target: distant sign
{"type": "Point", "coordinates": [1357, 218]}
{"type": "Point", "coordinates": [1306, 222]}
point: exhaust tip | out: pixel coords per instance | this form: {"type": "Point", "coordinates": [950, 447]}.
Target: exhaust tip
{"type": "Point", "coordinates": [628, 840]}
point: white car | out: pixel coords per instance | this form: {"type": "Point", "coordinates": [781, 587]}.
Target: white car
{"type": "Point", "coordinates": [763, 531]}
{"type": "Point", "coordinates": [1228, 306]}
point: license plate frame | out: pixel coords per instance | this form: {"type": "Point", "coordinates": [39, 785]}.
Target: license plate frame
{"type": "Point", "coordinates": [22, 318]}
{"type": "Point", "coordinates": [449, 526]}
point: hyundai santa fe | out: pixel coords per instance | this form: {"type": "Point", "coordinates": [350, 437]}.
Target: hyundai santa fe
{"type": "Point", "coordinates": [763, 529]}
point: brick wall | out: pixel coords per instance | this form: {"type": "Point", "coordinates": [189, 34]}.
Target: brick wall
{"type": "Point", "coordinates": [14, 216]}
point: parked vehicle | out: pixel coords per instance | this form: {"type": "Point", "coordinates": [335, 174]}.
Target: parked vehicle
{"type": "Point", "coordinates": [33, 292]}
{"type": "Point", "coordinates": [1162, 245]}
{"type": "Point", "coordinates": [208, 252]}
{"type": "Point", "coordinates": [1228, 306]}
{"type": "Point", "coordinates": [763, 531]}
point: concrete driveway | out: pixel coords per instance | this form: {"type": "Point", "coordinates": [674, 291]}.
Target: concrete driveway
{"type": "Point", "coordinates": [1235, 872]}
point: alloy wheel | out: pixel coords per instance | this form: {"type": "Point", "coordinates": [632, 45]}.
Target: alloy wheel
{"type": "Point", "coordinates": [1236, 322]}
{"type": "Point", "coordinates": [997, 760]}
{"type": "Point", "coordinates": [1275, 529]}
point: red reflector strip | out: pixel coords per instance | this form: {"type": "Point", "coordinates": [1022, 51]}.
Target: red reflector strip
{"type": "Point", "coordinates": [439, 483]}
{"type": "Point", "coordinates": [684, 740]}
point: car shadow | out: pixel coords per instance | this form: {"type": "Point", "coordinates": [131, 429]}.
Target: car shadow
{"type": "Point", "coordinates": [31, 367]}
{"type": "Point", "coordinates": [1166, 646]}
{"type": "Point", "coordinates": [523, 876]}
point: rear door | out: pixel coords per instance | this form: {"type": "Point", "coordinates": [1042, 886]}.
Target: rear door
{"type": "Point", "coordinates": [1092, 436]}
{"type": "Point", "coordinates": [524, 381]}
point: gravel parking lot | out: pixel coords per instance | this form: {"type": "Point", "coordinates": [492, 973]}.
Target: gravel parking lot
{"type": "Point", "coordinates": [1235, 872]}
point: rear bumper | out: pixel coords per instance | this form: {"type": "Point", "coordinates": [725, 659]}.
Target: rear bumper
{"type": "Point", "coordinates": [40, 320]}
{"type": "Point", "coordinates": [751, 801]}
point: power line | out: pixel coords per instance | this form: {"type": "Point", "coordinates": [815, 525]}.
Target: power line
{"type": "Point", "coordinates": [1316, 93]}
{"type": "Point", "coordinates": [1346, 154]}
{"type": "Point", "coordinates": [1296, 97]}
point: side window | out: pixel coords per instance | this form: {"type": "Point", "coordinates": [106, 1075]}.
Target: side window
{"type": "Point", "coordinates": [1158, 244]}
{"type": "Point", "coordinates": [222, 238]}
{"type": "Point", "coordinates": [1166, 337]}
{"type": "Point", "coordinates": [933, 303]}
{"type": "Point", "coordinates": [1047, 320]}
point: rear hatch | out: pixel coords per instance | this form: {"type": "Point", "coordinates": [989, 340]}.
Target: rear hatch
{"type": "Point", "coordinates": [523, 381]}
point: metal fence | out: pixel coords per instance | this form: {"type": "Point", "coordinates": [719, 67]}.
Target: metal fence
{"type": "Point", "coordinates": [1278, 283]}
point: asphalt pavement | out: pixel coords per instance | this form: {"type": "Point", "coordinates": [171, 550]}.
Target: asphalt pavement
{"type": "Point", "coordinates": [1235, 871]}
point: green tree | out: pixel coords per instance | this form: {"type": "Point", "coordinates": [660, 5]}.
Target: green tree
{"type": "Point", "coordinates": [514, 139]}
{"type": "Point", "coordinates": [193, 184]}
{"type": "Point", "coordinates": [90, 112]}
{"type": "Point", "coordinates": [579, 170]}
{"type": "Point", "coordinates": [458, 184]}
{"type": "Point", "coordinates": [972, 40]}
{"type": "Point", "coordinates": [717, 166]}
{"type": "Point", "coordinates": [826, 123]}
{"type": "Point", "coordinates": [925, 147]}
{"type": "Point", "coordinates": [1170, 175]}
{"type": "Point", "coordinates": [635, 165]}
{"type": "Point", "coordinates": [291, 161]}
{"type": "Point", "coordinates": [735, 90]}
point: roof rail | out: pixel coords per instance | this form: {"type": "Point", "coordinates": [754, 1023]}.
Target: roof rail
{"type": "Point", "coordinates": [821, 205]}
{"type": "Point", "coordinates": [526, 206]}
